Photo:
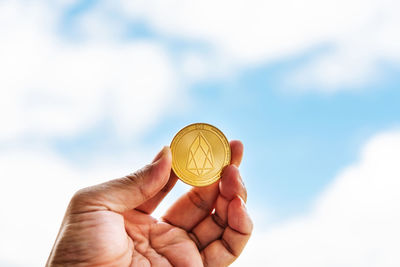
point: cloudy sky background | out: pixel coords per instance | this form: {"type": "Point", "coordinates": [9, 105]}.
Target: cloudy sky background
{"type": "Point", "coordinates": [91, 90]}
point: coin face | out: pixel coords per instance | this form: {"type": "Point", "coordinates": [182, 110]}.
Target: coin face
{"type": "Point", "coordinates": [199, 153]}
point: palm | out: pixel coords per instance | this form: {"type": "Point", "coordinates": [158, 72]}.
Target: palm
{"type": "Point", "coordinates": [160, 244]}
{"type": "Point", "coordinates": [136, 239]}
{"type": "Point", "coordinates": [206, 226]}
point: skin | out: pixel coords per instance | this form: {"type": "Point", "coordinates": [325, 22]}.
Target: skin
{"type": "Point", "coordinates": [110, 224]}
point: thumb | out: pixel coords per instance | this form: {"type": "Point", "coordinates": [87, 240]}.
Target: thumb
{"type": "Point", "coordinates": [126, 193]}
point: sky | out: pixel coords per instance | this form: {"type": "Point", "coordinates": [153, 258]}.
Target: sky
{"type": "Point", "coordinates": [91, 90]}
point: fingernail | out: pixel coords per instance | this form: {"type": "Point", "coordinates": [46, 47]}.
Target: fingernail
{"type": "Point", "coordinates": [242, 203]}
{"type": "Point", "coordinates": [160, 154]}
{"type": "Point", "coordinates": [239, 176]}
{"type": "Point", "coordinates": [241, 181]}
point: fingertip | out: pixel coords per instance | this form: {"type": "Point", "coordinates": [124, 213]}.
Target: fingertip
{"type": "Point", "coordinates": [236, 152]}
{"type": "Point", "coordinates": [238, 217]}
{"type": "Point", "coordinates": [236, 143]}
{"type": "Point", "coordinates": [242, 202]}
{"type": "Point", "coordinates": [237, 203]}
{"type": "Point", "coordinates": [232, 184]}
{"type": "Point", "coordinates": [167, 152]}
{"type": "Point", "coordinates": [161, 166]}
{"type": "Point", "coordinates": [164, 157]}
{"type": "Point", "coordinates": [161, 153]}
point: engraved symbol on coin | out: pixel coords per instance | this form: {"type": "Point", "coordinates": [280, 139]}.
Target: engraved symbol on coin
{"type": "Point", "coordinates": [200, 157]}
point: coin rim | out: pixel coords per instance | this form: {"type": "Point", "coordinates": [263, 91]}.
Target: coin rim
{"type": "Point", "coordinates": [217, 176]}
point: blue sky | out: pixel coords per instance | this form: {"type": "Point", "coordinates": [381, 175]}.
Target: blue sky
{"type": "Point", "coordinates": [96, 89]}
{"type": "Point", "coordinates": [295, 142]}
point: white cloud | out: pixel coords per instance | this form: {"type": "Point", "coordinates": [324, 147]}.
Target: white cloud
{"type": "Point", "coordinates": [337, 71]}
{"type": "Point", "coordinates": [49, 86]}
{"type": "Point", "coordinates": [362, 33]}
{"type": "Point", "coordinates": [355, 222]}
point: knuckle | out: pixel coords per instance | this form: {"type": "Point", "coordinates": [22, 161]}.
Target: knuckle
{"type": "Point", "coordinates": [137, 179]}
{"type": "Point", "coordinates": [139, 174]}
{"type": "Point", "coordinates": [79, 200]}
{"type": "Point", "coordinates": [168, 187]}
{"type": "Point", "coordinates": [198, 201]}
{"type": "Point", "coordinates": [218, 220]}
{"type": "Point", "coordinates": [195, 240]}
{"type": "Point", "coordinates": [80, 194]}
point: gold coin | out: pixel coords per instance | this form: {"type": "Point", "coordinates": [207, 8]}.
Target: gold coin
{"type": "Point", "coordinates": [199, 153]}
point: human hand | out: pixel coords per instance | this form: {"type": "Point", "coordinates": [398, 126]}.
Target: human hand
{"type": "Point", "coordinates": [110, 224]}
